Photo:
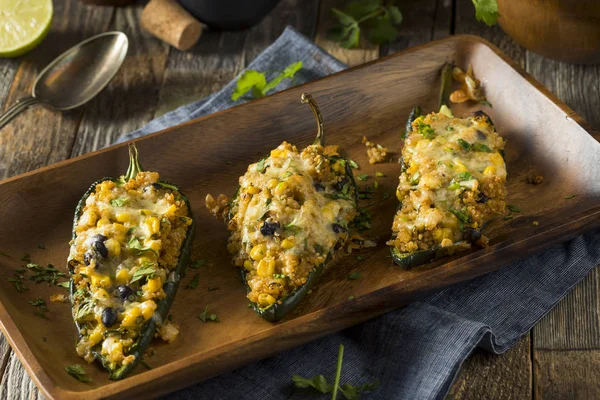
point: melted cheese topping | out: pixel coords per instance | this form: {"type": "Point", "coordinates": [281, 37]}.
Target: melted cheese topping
{"type": "Point", "coordinates": [291, 212]}
{"type": "Point", "coordinates": [453, 181]}
{"type": "Point", "coordinates": [127, 242]}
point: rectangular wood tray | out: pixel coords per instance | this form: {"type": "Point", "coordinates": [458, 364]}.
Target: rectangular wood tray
{"type": "Point", "coordinates": [209, 154]}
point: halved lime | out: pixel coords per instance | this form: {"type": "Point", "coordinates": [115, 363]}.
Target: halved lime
{"type": "Point", "coordinates": [23, 25]}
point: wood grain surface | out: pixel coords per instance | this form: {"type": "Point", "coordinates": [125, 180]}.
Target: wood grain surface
{"type": "Point", "coordinates": [562, 346]}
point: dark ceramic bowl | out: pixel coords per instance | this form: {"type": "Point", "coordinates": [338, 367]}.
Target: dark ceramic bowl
{"type": "Point", "coordinates": [229, 14]}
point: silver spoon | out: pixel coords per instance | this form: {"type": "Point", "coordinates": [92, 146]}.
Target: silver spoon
{"type": "Point", "coordinates": [76, 76]}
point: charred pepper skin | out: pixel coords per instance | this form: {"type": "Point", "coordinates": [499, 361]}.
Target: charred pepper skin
{"type": "Point", "coordinates": [170, 286]}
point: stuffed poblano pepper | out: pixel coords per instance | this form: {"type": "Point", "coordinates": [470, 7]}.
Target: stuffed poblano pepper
{"type": "Point", "coordinates": [288, 220]}
{"type": "Point", "coordinates": [453, 182]}
{"type": "Point", "coordinates": [131, 243]}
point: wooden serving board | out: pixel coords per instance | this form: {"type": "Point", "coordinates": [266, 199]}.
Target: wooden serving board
{"type": "Point", "coordinates": [208, 155]}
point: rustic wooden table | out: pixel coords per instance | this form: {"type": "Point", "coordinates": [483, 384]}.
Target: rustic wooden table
{"type": "Point", "coordinates": [559, 359]}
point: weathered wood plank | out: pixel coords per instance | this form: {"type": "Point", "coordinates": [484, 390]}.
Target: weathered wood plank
{"type": "Point", "coordinates": [39, 136]}
{"type": "Point", "coordinates": [422, 21]}
{"type": "Point", "coordinates": [484, 375]}
{"type": "Point", "coordinates": [571, 374]}
{"type": "Point", "coordinates": [130, 99]}
{"type": "Point", "coordinates": [367, 52]}
{"type": "Point", "coordinates": [16, 384]}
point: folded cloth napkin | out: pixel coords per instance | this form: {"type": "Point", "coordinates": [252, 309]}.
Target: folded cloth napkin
{"type": "Point", "coordinates": [415, 352]}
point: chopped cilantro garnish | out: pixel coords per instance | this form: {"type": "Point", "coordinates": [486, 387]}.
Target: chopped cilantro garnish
{"type": "Point", "coordinates": [513, 208]}
{"type": "Point", "coordinates": [570, 197]}
{"type": "Point", "coordinates": [146, 270]}
{"type": "Point", "coordinates": [354, 275]}
{"type": "Point", "coordinates": [40, 304]}
{"type": "Point", "coordinates": [26, 257]}
{"type": "Point", "coordinates": [482, 148]}
{"type": "Point", "coordinates": [362, 177]}
{"type": "Point", "coordinates": [194, 282]}
{"type": "Point", "coordinates": [206, 317]}
{"type": "Point", "coordinates": [77, 372]}
{"type": "Point", "coordinates": [197, 264]}
{"type": "Point", "coordinates": [41, 246]}
{"type": "Point", "coordinates": [464, 144]}
{"type": "Point", "coordinates": [425, 129]}
{"type": "Point", "coordinates": [379, 174]}
{"type": "Point", "coordinates": [261, 166]}
{"type": "Point", "coordinates": [119, 202]}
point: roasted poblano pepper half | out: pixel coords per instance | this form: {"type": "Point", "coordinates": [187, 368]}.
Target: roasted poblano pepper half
{"type": "Point", "coordinates": [453, 182]}
{"type": "Point", "coordinates": [131, 243]}
{"type": "Point", "coordinates": [288, 219]}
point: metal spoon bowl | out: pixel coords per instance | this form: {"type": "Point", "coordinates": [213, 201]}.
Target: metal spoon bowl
{"type": "Point", "coordinates": [76, 76]}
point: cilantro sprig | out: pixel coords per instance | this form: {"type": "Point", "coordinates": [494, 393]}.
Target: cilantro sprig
{"type": "Point", "coordinates": [77, 372]}
{"type": "Point", "coordinates": [486, 11]}
{"type": "Point", "coordinates": [256, 82]}
{"type": "Point", "coordinates": [320, 384]}
{"type": "Point", "coordinates": [375, 18]}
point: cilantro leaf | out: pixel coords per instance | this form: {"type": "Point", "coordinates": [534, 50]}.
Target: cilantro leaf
{"type": "Point", "coordinates": [486, 11]}
{"type": "Point", "coordinates": [256, 82]}
{"type": "Point", "coordinates": [482, 148]}
{"type": "Point", "coordinates": [354, 275]}
{"type": "Point", "coordinates": [119, 202]}
{"type": "Point", "coordinates": [134, 243]}
{"type": "Point", "coordinates": [206, 317]}
{"type": "Point", "coordinates": [382, 31]}
{"type": "Point", "coordinates": [318, 382]}
{"type": "Point", "coordinates": [362, 177]}
{"type": "Point", "coordinates": [249, 80]}
{"type": "Point", "coordinates": [197, 264]}
{"type": "Point", "coordinates": [77, 372]}
{"type": "Point", "coordinates": [194, 282]}
{"type": "Point", "coordinates": [513, 208]}
{"type": "Point", "coordinates": [146, 270]}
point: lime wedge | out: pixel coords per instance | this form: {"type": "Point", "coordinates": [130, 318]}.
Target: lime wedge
{"type": "Point", "coordinates": [23, 25]}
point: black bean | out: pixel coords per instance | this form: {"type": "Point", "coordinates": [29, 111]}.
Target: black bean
{"type": "Point", "coordinates": [480, 113]}
{"type": "Point", "coordinates": [319, 186]}
{"type": "Point", "coordinates": [109, 317]}
{"type": "Point", "coordinates": [337, 228]}
{"type": "Point", "coordinates": [339, 186]}
{"type": "Point", "coordinates": [269, 228]}
{"type": "Point", "coordinates": [483, 199]}
{"type": "Point", "coordinates": [125, 293]}
{"type": "Point", "coordinates": [88, 256]}
{"type": "Point", "coordinates": [157, 186]}
{"type": "Point", "coordinates": [101, 248]}
{"type": "Point", "coordinates": [481, 135]}
{"type": "Point", "coordinates": [471, 235]}
{"type": "Point", "coordinates": [100, 238]}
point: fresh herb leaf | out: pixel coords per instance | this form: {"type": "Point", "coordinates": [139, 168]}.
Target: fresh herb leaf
{"type": "Point", "coordinates": [353, 392]}
{"type": "Point", "coordinates": [41, 246]}
{"type": "Point", "coordinates": [513, 208]}
{"type": "Point", "coordinates": [119, 202]}
{"type": "Point", "coordinates": [26, 257]}
{"type": "Point", "coordinates": [40, 304]}
{"type": "Point", "coordinates": [198, 264]}
{"type": "Point", "coordinates": [486, 103]}
{"type": "Point", "coordinates": [136, 244]}
{"type": "Point", "coordinates": [464, 144]}
{"type": "Point", "coordinates": [145, 364]}
{"type": "Point", "coordinates": [509, 216]}
{"type": "Point", "coordinates": [463, 218]}
{"type": "Point", "coordinates": [260, 166]}
{"type": "Point", "coordinates": [372, 16]}
{"type": "Point", "coordinates": [63, 284]}
{"type": "Point", "coordinates": [256, 82]}
{"type": "Point", "coordinates": [351, 297]}
{"type": "Point", "coordinates": [425, 129]}
{"type": "Point", "coordinates": [414, 180]}
{"type": "Point", "coordinates": [279, 276]}
{"type": "Point", "coordinates": [464, 176]}
{"type": "Point", "coordinates": [211, 289]}
{"type": "Point", "coordinates": [354, 275]}
{"type": "Point", "coordinates": [379, 175]}
{"type": "Point", "coordinates": [206, 317]}
{"type": "Point", "coordinates": [570, 197]}
{"type": "Point", "coordinates": [481, 148]}
{"type": "Point", "coordinates": [353, 164]}
{"type": "Point", "coordinates": [84, 308]}
{"type": "Point", "coordinates": [146, 270]}
{"type": "Point", "coordinates": [486, 11]}
{"type": "Point", "coordinates": [194, 282]}
{"type": "Point", "coordinates": [362, 177]}
{"type": "Point", "coordinates": [318, 382]}
{"type": "Point", "coordinates": [77, 372]}
{"type": "Point", "coordinates": [17, 282]}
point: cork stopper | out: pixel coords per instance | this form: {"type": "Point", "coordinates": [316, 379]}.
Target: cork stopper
{"type": "Point", "coordinates": [169, 22]}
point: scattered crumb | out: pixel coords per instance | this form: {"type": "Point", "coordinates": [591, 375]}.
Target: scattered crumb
{"type": "Point", "coordinates": [218, 207]}
{"type": "Point", "coordinates": [149, 353]}
{"type": "Point", "coordinates": [536, 223]}
{"type": "Point", "coordinates": [376, 152]}
{"type": "Point", "coordinates": [168, 332]}
{"type": "Point", "coordinates": [58, 298]}
{"type": "Point", "coordinates": [471, 86]}
{"type": "Point", "coordinates": [535, 179]}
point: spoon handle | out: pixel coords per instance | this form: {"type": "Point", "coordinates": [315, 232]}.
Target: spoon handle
{"type": "Point", "coordinates": [14, 110]}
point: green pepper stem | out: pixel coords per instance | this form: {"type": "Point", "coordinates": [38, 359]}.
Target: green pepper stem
{"type": "Point", "coordinates": [134, 164]}
{"type": "Point", "coordinates": [307, 98]}
{"type": "Point", "coordinates": [446, 84]}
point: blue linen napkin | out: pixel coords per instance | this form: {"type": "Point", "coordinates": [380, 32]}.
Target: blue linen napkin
{"type": "Point", "coordinates": [416, 351]}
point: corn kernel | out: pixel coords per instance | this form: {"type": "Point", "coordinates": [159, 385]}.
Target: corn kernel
{"type": "Point", "coordinates": [272, 183]}
{"type": "Point", "coordinates": [265, 268]}
{"type": "Point", "coordinates": [123, 217]}
{"type": "Point", "coordinates": [265, 300]}
{"type": "Point", "coordinates": [497, 159]}
{"type": "Point", "coordinates": [459, 167]}
{"type": "Point", "coordinates": [328, 214]}
{"type": "Point", "coordinates": [279, 153]}
{"type": "Point", "coordinates": [103, 221]}
{"type": "Point", "coordinates": [399, 195]}
{"type": "Point", "coordinates": [489, 170]}
{"type": "Point", "coordinates": [153, 285]}
{"type": "Point", "coordinates": [145, 212]}
{"type": "Point", "coordinates": [287, 243]}
{"type": "Point", "coordinates": [438, 234]}
{"type": "Point", "coordinates": [152, 225]}
{"type": "Point", "coordinates": [95, 337]}
{"type": "Point", "coordinates": [253, 189]}
{"type": "Point", "coordinates": [100, 280]}
{"type": "Point", "coordinates": [280, 189]}
{"type": "Point", "coordinates": [171, 210]}
{"type": "Point", "coordinates": [248, 264]}
{"type": "Point", "coordinates": [258, 252]}
{"type": "Point", "coordinates": [148, 308]}
{"type": "Point", "coordinates": [122, 276]}
{"type": "Point", "coordinates": [414, 167]}
{"type": "Point", "coordinates": [92, 218]}
{"type": "Point", "coordinates": [113, 247]}
{"type": "Point", "coordinates": [130, 316]}
{"type": "Point", "coordinates": [154, 244]}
